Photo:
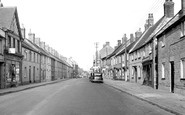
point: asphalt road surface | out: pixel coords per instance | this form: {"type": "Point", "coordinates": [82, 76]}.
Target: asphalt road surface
{"type": "Point", "coordinates": [75, 97]}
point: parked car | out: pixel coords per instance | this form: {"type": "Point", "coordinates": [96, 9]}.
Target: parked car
{"type": "Point", "coordinates": [96, 77]}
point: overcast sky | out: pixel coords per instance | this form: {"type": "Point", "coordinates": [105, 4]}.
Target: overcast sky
{"type": "Point", "coordinates": [73, 26]}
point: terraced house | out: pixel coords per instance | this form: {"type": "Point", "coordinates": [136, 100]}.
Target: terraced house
{"type": "Point", "coordinates": [31, 62]}
{"type": "Point", "coordinates": [26, 60]}
{"type": "Point", "coordinates": [171, 53]}
{"type": "Point", "coordinates": [10, 47]}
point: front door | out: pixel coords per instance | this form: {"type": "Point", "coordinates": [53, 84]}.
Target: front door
{"type": "Point", "coordinates": [34, 74]}
{"type": "Point", "coordinates": [172, 76]}
{"type": "Point", "coordinates": [135, 73]}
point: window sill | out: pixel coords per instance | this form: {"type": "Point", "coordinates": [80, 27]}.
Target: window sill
{"type": "Point", "coordinates": [162, 46]}
{"type": "Point", "coordinates": [162, 78]}
{"type": "Point", "coordinates": [183, 79]}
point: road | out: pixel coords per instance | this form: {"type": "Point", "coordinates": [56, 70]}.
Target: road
{"type": "Point", "coordinates": [75, 97]}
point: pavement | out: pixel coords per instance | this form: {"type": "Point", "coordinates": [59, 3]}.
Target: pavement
{"type": "Point", "coordinates": [171, 102]}
{"type": "Point", "coordinates": [28, 86]}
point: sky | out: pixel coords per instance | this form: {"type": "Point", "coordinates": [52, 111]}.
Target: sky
{"type": "Point", "coordinates": [72, 27]}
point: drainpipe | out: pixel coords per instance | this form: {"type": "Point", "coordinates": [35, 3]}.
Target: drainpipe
{"type": "Point", "coordinates": [155, 82]}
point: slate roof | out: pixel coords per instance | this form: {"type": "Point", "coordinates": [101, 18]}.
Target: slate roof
{"type": "Point", "coordinates": [115, 51]}
{"type": "Point", "coordinates": [128, 48]}
{"type": "Point", "coordinates": [146, 35]}
{"type": "Point", "coordinates": [27, 45]}
{"type": "Point", "coordinates": [6, 16]}
{"type": "Point", "coordinates": [171, 22]}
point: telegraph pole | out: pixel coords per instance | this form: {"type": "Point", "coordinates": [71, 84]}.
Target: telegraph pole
{"type": "Point", "coordinates": [96, 59]}
{"type": "Point", "coordinates": [125, 39]}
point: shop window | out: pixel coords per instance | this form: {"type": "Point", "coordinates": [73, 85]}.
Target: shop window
{"type": "Point", "coordinates": [163, 71]}
{"type": "Point", "coordinates": [182, 64]}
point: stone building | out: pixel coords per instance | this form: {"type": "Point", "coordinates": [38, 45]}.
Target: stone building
{"type": "Point", "coordinates": [10, 47]}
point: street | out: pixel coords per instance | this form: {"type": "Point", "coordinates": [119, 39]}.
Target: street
{"type": "Point", "coordinates": [75, 97]}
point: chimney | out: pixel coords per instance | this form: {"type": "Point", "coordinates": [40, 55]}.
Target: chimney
{"type": "Point", "coordinates": [169, 8]}
{"type": "Point", "coordinates": [138, 33]}
{"type": "Point", "coordinates": [119, 42]}
{"type": "Point", "coordinates": [1, 4]}
{"type": "Point", "coordinates": [42, 44]}
{"type": "Point", "coordinates": [115, 47]}
{"type": "Point", "coordinates": [37, 41]}
{"type": "Point", "coordinates": [31, 36]}
{"type": "Point", "coordinates": [132, 39]}
{"type": "Point", "coordinates": [150, 19]}
{"type": "Point", "coordinates": [107, 43]}
{"type": "Point", "coordinates": [23, 32]}
{"type": "Point", "coordinates": [183, 7]}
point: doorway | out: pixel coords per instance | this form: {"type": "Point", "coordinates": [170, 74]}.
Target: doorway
{"type": "Point", "coordinates": [172, 76]}
{"type": "Point", "coordinates": [34, 74]}
{"type": "Point", "coordinates": [1, 74]}
{"type": "Point", "coordinates": [135, 73]}
{"type": "Point", "coordinates": [30, 74]}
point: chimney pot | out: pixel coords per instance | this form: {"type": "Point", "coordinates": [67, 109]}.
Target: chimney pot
{"type": "Point", "coordinates": [183, 6]}
{"type": "Point", "coordinates": [169, 8]}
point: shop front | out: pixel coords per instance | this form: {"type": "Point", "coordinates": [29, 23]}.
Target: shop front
{"type": "Point", "coordinates": [13, 72]}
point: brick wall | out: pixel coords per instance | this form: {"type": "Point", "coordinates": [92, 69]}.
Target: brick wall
{"type": "Point", "coordinates": [173, 50]}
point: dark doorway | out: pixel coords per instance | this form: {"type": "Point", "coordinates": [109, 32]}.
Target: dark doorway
{"type": "Point", "coordinates": [34, 74]}
{"type": "Point", "coordinates": [135, 73]}
{"type": "Point", "coordinates": [172, 76]}
{"type": "Point", "coordinates": [1, 74]}
{"type": "Point", "coordinates": [30, 74]}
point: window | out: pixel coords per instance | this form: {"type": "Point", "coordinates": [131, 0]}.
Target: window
{"type": "Point", "coordinates": [30, 56]}
{"type": "Point", "coordinates": [150, 48]}
{"type": "Point", "coordinates": [163, 41]}
{"type": "Point", "coordinates": [13, 42]}
{"type": "Point", "coordinates": [1, 50]}
{"type": "Point", "coordinates": [139, 55]}
{"type": "Point", "coordinates": [25, 54]}
{"type": "Point", "coordinates": [25, 72]}
{"type": "Point", "coordinates": [9, 41]}
{"type": "Point", "coordinates": [163, 70]}
{"type": "Point", "coordinates": [18, 46]}
{"type": "Point", "coordinates": [143, 52]}
{"type": "Point", "coordinates": [182, 64]}
{"type": "Point", "coordinates": [33, 57]}
{"type": "Point", "coordinates": [182, 29]}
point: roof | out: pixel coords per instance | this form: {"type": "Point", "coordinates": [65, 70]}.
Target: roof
{"type": "Point", "coordinates": [170, 23]}
{"type": "Point", "coordinates": [146, 35]}
{"type": "Point", "coordinates": [115, 51]}
{"type": "Point", "coordinates": [6, 16]}
{"type": "Point", "coordinates": [27, 45]}
{"type": "Point", "coordinates": [128, 48]}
